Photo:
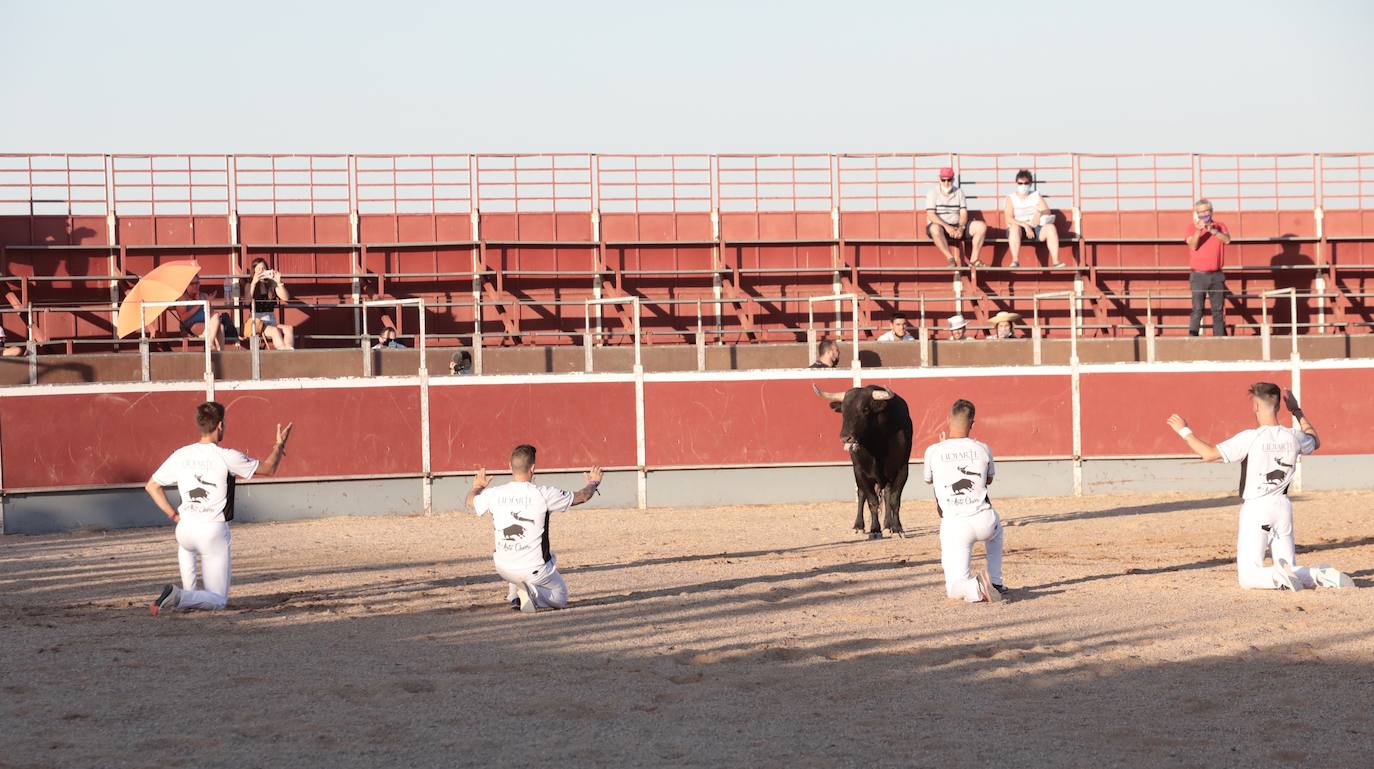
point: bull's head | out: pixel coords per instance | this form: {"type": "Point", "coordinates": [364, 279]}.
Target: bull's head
{"type": "Point", "coordinates": [857, 407]}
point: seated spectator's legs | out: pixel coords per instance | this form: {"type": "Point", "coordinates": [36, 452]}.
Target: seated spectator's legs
{"type": "Point", "coordinates": [274, 337]}
{"type": "Point", "coordinates": [288, 335]}
{"type": "Point", "coordinates": [1014, 243]}
{"type": "Point", "coordinates": [979, 232]}
{"type": "Point", "coordinates": [937, 234]}
{"type": "Point", "coordinates": [11, 352]}
{"type": "Point", "coordinates": [1050, 237]}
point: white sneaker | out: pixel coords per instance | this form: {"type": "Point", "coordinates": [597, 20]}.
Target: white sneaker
{"type": "Point", "coordinates": [167, 599]}
{"type": "Point", "coordinates": [1286, 576]}
{"type": "Point", "coordinates": [1327, 576]}
{"type": "Point", "coordinates": [526, 600]}
{"type": "Point", "coordinates": [985, 588]}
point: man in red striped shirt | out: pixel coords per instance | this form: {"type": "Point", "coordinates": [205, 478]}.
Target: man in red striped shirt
{"type": "Point", "coordinates": [1207, 241]}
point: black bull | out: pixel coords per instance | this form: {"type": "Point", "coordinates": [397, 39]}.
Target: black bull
{"type": "Point", "coordinates": [875, 427]}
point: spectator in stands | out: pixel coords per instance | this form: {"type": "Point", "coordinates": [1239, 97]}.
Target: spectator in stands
{"type": "Point", "coordinates": [827, 354]}
{"type": "Point", "coordinates": [387, 340]}
{"type": "Point", "coordinates": [957, 328]}
{"type": "Point", "coordinates": [1001, 325]}
{"type": "Point", "coordinates": [9, 350]}
{"type": "Point", "coordinates": [898, 332]}
{"type": "Point", "coordinates": [947, 219]}
{"type": "Point", "coordinates": [220, 326]}
{"type": "Point", "coordinates": [267, 291]}
{"type": "Point", "coordinates": [1207, 240]}
{"type": "Point", "coordinates": [1029, 217]}
{"type": "Point", "coordinates": [460, 364]}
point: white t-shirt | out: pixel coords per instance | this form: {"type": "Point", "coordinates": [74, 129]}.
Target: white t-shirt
{"type": "Point", "coordinates": [519, 516]}
{"type": "Point", "coordinates": [1269, 455]}
{"type": "Point", "coordinates": [200, 472]}
{"type": "Point", "coordinates": [892, 337]}
{"type": "Point", "coordinates": [946, 205]}
{"type": "Point", "coordinates": [959, 469]}
{"type": "Point", "coordinates": [1027, 209]}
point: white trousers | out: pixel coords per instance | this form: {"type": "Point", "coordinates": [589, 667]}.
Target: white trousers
{"type": "Point", "coordinates": [957, 536]}
{"type": "Point", "coordinates": [547, 587]}
{"type": "Point", "coordinates": [208, 543]}
{"type": "Point", "coordinates": [1267, 524]}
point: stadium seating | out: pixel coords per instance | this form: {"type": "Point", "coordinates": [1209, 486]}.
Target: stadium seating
{"type": "Point", "coordinates": [509, 250]}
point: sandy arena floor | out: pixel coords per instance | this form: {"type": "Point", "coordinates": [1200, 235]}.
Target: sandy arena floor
{"type": "Point", "coordinates": [730, 637]}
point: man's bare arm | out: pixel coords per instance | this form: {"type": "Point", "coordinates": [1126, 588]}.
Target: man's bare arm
{"type": "Point", "coordinates": [587, 492]}
{"type": "Point", "coordinates": [268, 468]}
{"type": "Point", "coordinates": [478, 484]}
{"type": "Point", "coordinates": [1291, 401]}
{"type": "Point", "coordinates": [159, 496]}
{"type": "Point", "coordinates": [1200, 447]}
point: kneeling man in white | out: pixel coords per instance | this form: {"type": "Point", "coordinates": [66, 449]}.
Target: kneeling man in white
{"type": "Point", "coordinates": [961, 469]}
{"type": "Point", "coordinates": [520, 517]}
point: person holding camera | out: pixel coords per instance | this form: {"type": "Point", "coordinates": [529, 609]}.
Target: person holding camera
{"type": "Point", "coordinates": [1207, 240]}
{"type": "Point", "coordinates": [268, 292]}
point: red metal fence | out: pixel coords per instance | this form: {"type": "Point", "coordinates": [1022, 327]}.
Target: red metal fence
{"type": "Point", "coordinates": [754, 233]}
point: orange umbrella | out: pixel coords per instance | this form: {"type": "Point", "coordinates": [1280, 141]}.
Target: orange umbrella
{"type": "Point", "coordinates": [166, 283]}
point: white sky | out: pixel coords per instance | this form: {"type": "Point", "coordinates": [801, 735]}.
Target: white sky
{"type": "Point", "coordinates": [402, 76]}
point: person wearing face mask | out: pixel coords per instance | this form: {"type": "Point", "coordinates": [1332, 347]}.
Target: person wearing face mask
{"type": "Point", "coordinates": [1029, 218]}
{"type": "Point", "coordinates": [1207, 240]}
{"type": "Point", "coordinates": [947, 219]}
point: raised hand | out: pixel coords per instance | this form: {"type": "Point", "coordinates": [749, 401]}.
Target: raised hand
{"type": "Point", "coordinates": [1177, 422]}
{"type": "Point", "coordinates": [283, 435]}
{"type": "Point", "coordinates": [480, 481]}
{"type": "Point", "coordinates": [1291, 401]}
{"type": "Point", "coordinates": [593, 475]}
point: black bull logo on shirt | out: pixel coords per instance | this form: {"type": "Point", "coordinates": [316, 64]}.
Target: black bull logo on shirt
{"type": "Point", "coordinates": [962, 486]}
{"type": "Point", "coordinates": [515, 530]}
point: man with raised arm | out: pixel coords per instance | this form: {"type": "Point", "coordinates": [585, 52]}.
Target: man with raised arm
{"type": "Point", "coordinates": [1268, 455]}
{"type": "Point", "coordinates": [520, 517]}
{"type": "Point", "coordinates": [961, 469]}
{"type": "Point", "coordinates": [204, 474]}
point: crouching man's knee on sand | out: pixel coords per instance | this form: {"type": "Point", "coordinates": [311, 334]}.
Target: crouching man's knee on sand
{"type": "Point", "coordinates": [520, 519]}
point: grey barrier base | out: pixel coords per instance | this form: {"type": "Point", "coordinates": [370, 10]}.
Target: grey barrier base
{"type": "Point", "coordinates": [58, 511]}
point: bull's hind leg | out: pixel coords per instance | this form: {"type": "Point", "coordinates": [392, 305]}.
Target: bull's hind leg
{"type": "Point", "coordinates": [892, 499]}
{"type": "Point", "coordinates": [892, 510]}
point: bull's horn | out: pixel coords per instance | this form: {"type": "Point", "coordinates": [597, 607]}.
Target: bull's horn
{"type": "Point", "coordinates": [882, 394]}
{"type": "Point", "coordinates": [836, 397]}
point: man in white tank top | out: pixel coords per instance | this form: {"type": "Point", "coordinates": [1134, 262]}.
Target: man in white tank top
{"type": "Point", "coordinates": [520, 518]}
{"type": "Point", "coordinates": [1029, 218]}
{"type": "Point", "coordinates": [1268, 456]}
{"type": "Point", "coordinates": [204, 474]}
{"type": "Point", "coordinates": [960, 469]}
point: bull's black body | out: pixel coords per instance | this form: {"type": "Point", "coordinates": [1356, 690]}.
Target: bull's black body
{"type": "Point", "coordinates": [877, 433]}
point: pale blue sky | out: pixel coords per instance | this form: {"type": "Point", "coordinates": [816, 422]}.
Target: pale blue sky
{"type": "Point", "coordinates": [402, 76]}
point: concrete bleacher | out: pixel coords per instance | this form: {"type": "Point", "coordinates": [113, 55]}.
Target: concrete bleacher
{"type": "Point", "coordinates": [506, 251]}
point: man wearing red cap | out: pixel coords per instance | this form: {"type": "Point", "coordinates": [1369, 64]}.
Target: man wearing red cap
{"type": "Point", "coordinates": [947, 219]}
